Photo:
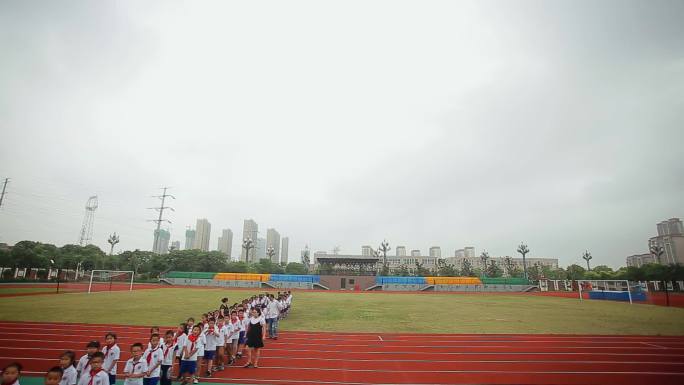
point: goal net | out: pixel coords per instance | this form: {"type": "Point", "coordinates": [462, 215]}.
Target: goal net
{"type": "Point", "coordinates": [612, 290]}
{"type": "Point", "coordinates": [110, 280]}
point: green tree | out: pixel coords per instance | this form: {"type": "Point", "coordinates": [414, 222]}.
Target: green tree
{"type": "Point", "coordinates": [403, 271]}
{"type": "Point", "coordinates": [467, 269]}
{"type": "Point", "coordinates": [27, 254]}
{"type": "Point", "coordinates": [237, 267]}
{"type": "Point", "coordinates": [494, 270]}
{"type": "Point", "coordinates": [421, 271]}
{"type": "Point", "coordinates": [575, 272]}
{"type": "Point", "coordinates": [445, 269]}
{"type": "Point", "coordinates": [6, 259]}
{"type": "Point", "coordinates": [295, 268]}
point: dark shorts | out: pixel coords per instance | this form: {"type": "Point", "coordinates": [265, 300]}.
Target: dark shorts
{"type": "Point", "coordinates": [209, 354]}
{"type": "Point", "coordinates": [151, 381]}
{"type": "Point", "coordinates": [243, 338]}
{"type": "Point", "coordinates": [188, 367]}
{"type": "Point", "coordinates": [112, 379]}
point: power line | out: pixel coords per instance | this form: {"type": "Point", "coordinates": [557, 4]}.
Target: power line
{"type": "Point", "coordinates": [157, 247]}
{"type": "Point", "coordinates": [4, 187]}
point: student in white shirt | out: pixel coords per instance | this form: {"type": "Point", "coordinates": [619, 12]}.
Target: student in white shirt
{"type": "Point", "coordinates": [153, 357]}
{"type": "Point", "coordinates": [211, 339]}
{"type": "Point", "coordinates": [69, 373]}
{"type": "Point", "coordinates": [235, 328]}
{"type": "Point", "coordinates": [155, 330]}
{"type": "Point", "coordinates": [221, 342]}
{"type": "Point", "coordinates": [190, 348]}
{"type": "Point", "coordinates": [168, 355]}
{"type": "Point", "coordinates": [201, 343]}
{"type": "Point", "coordinates": [272, 315]}
{"type": "Point", "coordinates": [54, 375]}
{"type": "Point", "coordinates": [136, 367]}
{"type": "Point", "coordinates": [243, 317]}
{"type": "Point", "coordinates": [11, 374]}
{"type": "Point", "coordinates": [83, 365]}
{"type": "Point", "coordinates": [96, 375]}
{"type": "Point", "coordinates": [112, 354]}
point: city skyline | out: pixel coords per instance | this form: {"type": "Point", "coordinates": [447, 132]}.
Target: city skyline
{"type": "Point", "coordinates": [455, 123]}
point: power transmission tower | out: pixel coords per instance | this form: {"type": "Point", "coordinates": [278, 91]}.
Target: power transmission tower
{"type": "Point", "coordinates": [4, 187]}
{"type": "Point", "coordinates": [88, 221]}
{"type": "Point", "coordinates": [157, 247]}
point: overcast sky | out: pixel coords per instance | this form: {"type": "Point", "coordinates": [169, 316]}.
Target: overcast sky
{"type": "Point", "coordinates": [455, 123]}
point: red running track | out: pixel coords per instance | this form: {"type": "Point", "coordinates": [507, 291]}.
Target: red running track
{"type": "Point", "coordinates": [360, 359]}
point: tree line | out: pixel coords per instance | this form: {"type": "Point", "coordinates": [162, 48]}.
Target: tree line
{"type": "Point", "coordinates": [145, 264]}
{"type": "Point", "coordinates": [149, 265]}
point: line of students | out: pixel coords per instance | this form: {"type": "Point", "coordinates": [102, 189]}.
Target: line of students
{"type": "Point", "coordinates": [217, 341]}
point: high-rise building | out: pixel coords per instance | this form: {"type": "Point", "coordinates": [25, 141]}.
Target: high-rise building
{"type": "Point", "coordinates": [161, 241]}
{"type": "Point", "coordinates": [285, 244]}
{"type": "Point", "coordinates": [415, 253]}
{"type": "Point", "coordinates": [436, 252]}
{"type": "Point", "coordinates": [366, 251]}
{"type": "Point", "coordinates": [459, 253]}
{"type": "Point", "coordinates": [190, 239]}
{"type": "Point", "coordinates": [469, 252]}
{"type": "Point", "coordinates": [225, 242]}
{"type": "Point", "coordinates": [260, 249]}
{"type": "Point", "coordinates": [400, 251]}
{"type": "Point", "coordinates": [273, 241]}
{"type": "Point", "coordinates": [203, 234]}
{"type": "Point", "coordinates": [671, 239]}
{"type": "Point", "coordinates": [250, 230]}
{"type": "Point", "coordinates": [175, 245]}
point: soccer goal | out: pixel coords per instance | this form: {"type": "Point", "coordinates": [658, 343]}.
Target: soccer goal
{"type": "Point", "coordinates": [612, 290]}
{"type": "Point", "coordinates": [110, 280]}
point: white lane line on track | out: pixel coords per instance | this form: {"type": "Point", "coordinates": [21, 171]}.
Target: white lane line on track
{"type": "Point", "coordinates": [654, 345]}
{"type": "Point", "coordinates": [506, 337]}
{"type": "Point", "coordinates": [444, 371]}
{"type": "Point", "coordinates": [602, 354]}
{"type": "Point", "coordinates": [442, 345]}
{"type": "Point", "coordinates": [418, 361]}
{"type": "Point", "coordinates": [407, 346]}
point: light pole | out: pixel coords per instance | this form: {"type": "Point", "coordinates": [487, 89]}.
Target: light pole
{"type": "Point", "coordinates": [657, 252]}
{"type": "Point", "coordinates": [52, 262]}
{"type": "Point", "coordinates": [270, 251]}
{"type": "Point", "coordinates": [484, 257]}
{"type": "Point", "coordinates": [113, 240]}
{"type": "Point", "coordinates": [78, 266]}
{"type": "Point", "coordinates": [587, 257]}
{"type": "Point", "coordinates": [247, 244]}
{"type": "Point", "coordinates": [384, 248]}
{"type": "Point", "coordinates": [523, 250]}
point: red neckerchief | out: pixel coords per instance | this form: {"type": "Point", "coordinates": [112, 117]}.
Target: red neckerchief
{"type": "Point", "coordinates": [176, 336]}
{"type": "Point", "coordinates": [93, 373]}
{"type": "Point", "coordinates": [167, 349]}
{"type": "Point", "coordinates": [192, 339]}
{"type": "Point", "coordinates": [149, 356]}
{"type": "Point", "coordinates": [10, 383]}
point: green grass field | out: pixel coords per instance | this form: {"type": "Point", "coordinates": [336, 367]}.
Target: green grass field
{"type": "Point", "coordinates": [362, 312]}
